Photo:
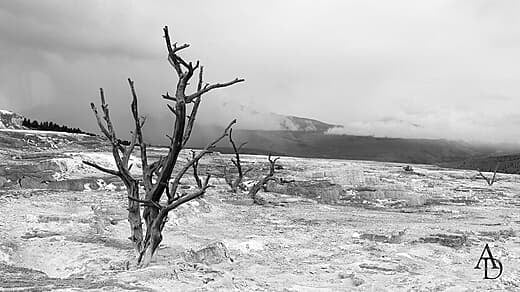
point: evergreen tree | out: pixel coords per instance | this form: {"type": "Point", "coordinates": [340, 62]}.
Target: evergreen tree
{"type": "Point", "coordinates": [50, 126]}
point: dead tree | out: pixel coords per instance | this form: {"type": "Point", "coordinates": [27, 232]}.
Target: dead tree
{"type": "Point", "coordinates": [490, 181]}
{"type": "Point", "coordinates": [156, 175]}
{"type": "Point", "coordinates": [236, 183]}
{"type": "Point", "coordinates": [262, 182]}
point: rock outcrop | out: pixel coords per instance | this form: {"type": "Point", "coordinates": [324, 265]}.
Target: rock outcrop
{"type": "Point", "coordinates": [10, 120]}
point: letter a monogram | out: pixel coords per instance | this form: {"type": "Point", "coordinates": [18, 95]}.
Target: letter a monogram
{"type": "Point", "coordinates": [493, 263]}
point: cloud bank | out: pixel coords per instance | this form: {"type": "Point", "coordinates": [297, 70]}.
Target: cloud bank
{"type": "Point", "coordinates": [436, 69]}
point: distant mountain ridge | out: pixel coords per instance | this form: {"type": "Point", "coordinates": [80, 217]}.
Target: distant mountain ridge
{"type": "Point", "coordinates": [303, 137]}
{"type": "Point", "coordinates": [268, 132]}
{"type": "Point", "coordinates": [320, 145]}
{"type": "Point", "coordinates": [250, 118]}
{"type": "Point", "coordinates": [292, 123]}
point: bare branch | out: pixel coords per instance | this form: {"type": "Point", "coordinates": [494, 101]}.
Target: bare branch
{"type": "Point", "coordinates": [206, 150]}
{"type": "Point", "coordinates": [109, 130]}
{"type": "Point", "coordinates": [172, 109]}
{"type": "Point", "coordinates": [494, 174]}
{"type": "Point", "coordinates": [139, 123]}
{"type": "Point", "coordinates": [483, 176]}
{"type": "Point", "coordinates": [195, 167]}
{"type": "Point", "coordinates": [100, 122]}
{"type": "Point", "coordinates": [491, 181]}
{"type": "Point", "coordinates": [156, 165]}
{"type": "Point", "coordinates": [248, 170]}
{"type": "Point", "coordinates": [183, 46]}
{"type": "Point", "coordinates": [196, 65]}
{"type": "Point", "coordinates": [129, 149]}
{"type": "Point", "coordinates": [194, 109]}
{"type": "Point", "coordinates": [186, 198]}
{"type": "Point", "coordinates": [235, 184]}
{"type": "Point", "coordinates": [176, 61]}
{"type": "Point", "coordinates": [172, 58]}
{"type": "Point", "coordinates": [106, 115]}
{"type": "Point", "coordinates": [189, 66]}
{"type": "Point", "coordinates": [242, 145]}
{"type": "Point", "coordinates": [208, 88]}
{"type": "Point", "coordinates": [147, 203]}
{"type": "Point", "coordinates": [104, 169]}
{"type": "Point", "coordinates": [236, 162]}
{"type": "Point", "coordinates": [168, 97]}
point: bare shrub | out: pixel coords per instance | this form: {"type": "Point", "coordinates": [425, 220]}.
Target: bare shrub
{"type": "Point", "coordinates": [262, 182]}
{"type": "Point", "coordinates": [490, 181]}
{"type": "Point", "coordinates": [236, 183]}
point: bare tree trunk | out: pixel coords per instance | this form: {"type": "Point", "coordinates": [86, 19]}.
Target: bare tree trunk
{"type": "Point", "coordinates": [154, 238]}
{"type": "Point", "coordinates": [149, 214]}
{"type": "Point", "coordinates": [134, 218]}
{"type": "Point", "coordinates": [154, 234]}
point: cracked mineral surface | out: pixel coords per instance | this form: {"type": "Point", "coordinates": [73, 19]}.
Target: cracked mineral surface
{"type": "Point", "coordinates": [327, 225]}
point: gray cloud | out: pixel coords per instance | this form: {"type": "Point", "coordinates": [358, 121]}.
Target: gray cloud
{"type": "Point", "coordinates": [72, 29]}
{"type": "Point", "coordinates": [376, 67]}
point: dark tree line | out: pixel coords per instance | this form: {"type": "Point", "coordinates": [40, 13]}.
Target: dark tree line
{"type": "Point", "coordinates": [50, 126]}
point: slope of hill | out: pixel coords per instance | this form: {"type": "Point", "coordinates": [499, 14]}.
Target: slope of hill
{"type": "Point", "coordinates": [220, 113]}
{"type": "Point", "coordinates": [506, 163]}
{"type": "Point", "coordinates": [19, 141]}
{"type": "Point", "coordinates": [292, 123]}
{"type": "Point", "coordinates": [14, 121]}
{"type": "Point", "coordinates": [303, 137]}
{"type": "Point", "coordinates": [319, 145]}
{"type": "Point", "coordinates": [10, 120]}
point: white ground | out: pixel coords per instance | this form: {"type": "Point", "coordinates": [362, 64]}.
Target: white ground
{"type": "Point", "coordinates": [300, 245]}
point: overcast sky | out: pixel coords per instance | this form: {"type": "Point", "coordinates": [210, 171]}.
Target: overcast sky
{"type": "Point", "coordinates": [432, 69]}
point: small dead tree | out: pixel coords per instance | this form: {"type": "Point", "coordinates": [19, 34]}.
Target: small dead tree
{"type": "Point", "coordinates": [156, 175]}
{"type": "Point", "coordinates": [262, 182]}
{"type": "Point", "coordinates": [236, 183]}
{"type": "Point", "coordinates": [490, 181]}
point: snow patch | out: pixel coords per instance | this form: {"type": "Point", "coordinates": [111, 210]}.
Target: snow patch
{"type": "Point", "coordinates": [39, 132]}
